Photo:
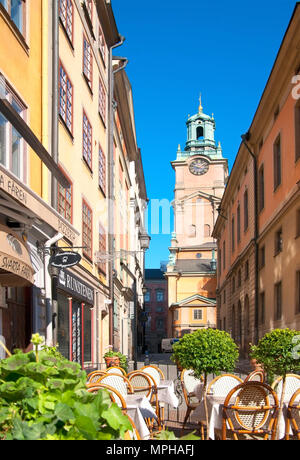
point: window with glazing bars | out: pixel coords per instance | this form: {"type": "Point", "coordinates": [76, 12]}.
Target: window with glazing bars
{"type": "Point", "coordinates": [102, 101]}
{"type": "Point", "coordinates": [16, 11]}
{"type": "Point", "coordinates": [87, 136]}
{"type": "Point", "coordinates": [87, 62]}
{"type": "Point", "coordinates": [66, 16]}
{"type": "Point", "coordinates": [65, 98]}
{"type": "Point", "coordinates": [102, 170]}
{"type": "Point", "coordinates": [65, 202]}
{"type": "Point", "coordinates": [87, 230]}
{"type": "Point", "coordinates": [102, 44]}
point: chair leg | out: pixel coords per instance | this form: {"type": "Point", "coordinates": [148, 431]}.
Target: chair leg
{"type": "Point", "coordinates": [188, 413]}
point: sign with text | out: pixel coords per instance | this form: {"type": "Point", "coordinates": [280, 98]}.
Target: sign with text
{"type": "Point", "coordinates": [65, 259]}
{"type": "Point", "coordinates": [75, 286]}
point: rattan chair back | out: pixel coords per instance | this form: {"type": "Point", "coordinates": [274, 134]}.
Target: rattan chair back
{"type": "Point", "coordinates": [117, 381]}
{"type": "Point", "coordinates": [94, 376]}
{"type": "Point", "coordinates": [154, 371]}
{"type": "Point", "coordinates": [141, 382]}
{"type": "Point", "coordinates": [255, 376]}
{"type": "Point", "coordinates": [115, 370]}
{"type": "Point", "coordinates": [115, 395]}
{"type": "Point", "coordinates": [293, 415]}
{"type": "Point", "coordinates": [221, 385]}
{"type": "Point", "coordinates": [292, 385]}
{"type": "Point", "coordinates": [251, 407]}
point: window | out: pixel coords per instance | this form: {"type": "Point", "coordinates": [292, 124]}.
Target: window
{"type": "Point", "coordinates": [224, 296]}
{"type": "Point", "coordinates": [233, 284]}
{"type": "Point", "coordinates": [297, 131]}
{"type": "Point", "coordinates": [232, 234]}
{"type": "Point", "coordinates": [278, 241]}
{"type": "Point", "coordinates": [89, 7]}
{"type": "Point", "coordinates": [297, 223]}
{"type": "Point", "coordinates": [277, 162]}
{"type": "Point", "coordinates": [102, 170]}
{"type": "Point", "coordinates": [278, 301]}
{"type": "Point", "coordinates": [207, 231]}
{"type": "Point", "coordinates": [261, 189]}
{"type": "Point", "coordinates": [239, 278]}
{"type": "Point", "coordinates": [176, 315]}
{"type": "Point", "coordinates": [87, 232]}
{"type": "Point", "coordinates": [102, 247]}
{"type": "Point", "coordinates": [246, 211]}
{"type": "Point", "coordinates": [65, 98]}
{"type": "Point", "coordinates": [247, 270]}
{"type": "Point", "coordinates": [87, 141]}
{"type": "Point", "coordinates": [159, 296]}
{"type": "Point", "coordinates": [261, 313]}
{"type": "Point", "coordinates": [160, 324]}
{"type": "Point", "coordinates": [262, 257]}
{"type": "Point", "coordinates": [198, 315]}
{"type": "Point", "coordinates": [298, 291]}
{"type": "Point", "coordinates": [101, 44]}
{"type": "Point", "coordinates": [64, 202]}
{"type": "Point", "coordinates": [16, 11]}
{"type": "Point", "coordinates": [224, 255]}
{"type": "Point", "coordinates": [12, 145]}
{"type": "Point", "coordinates": [147, 296]}
{"type": "Point", "coordinates": [66, 16]}
{"type": "Point", "coordinates": [238, 223]}
{"type": "Point", "coordinates": [102, 101]}
{"type": "Point", "coordinates": [87, 62]}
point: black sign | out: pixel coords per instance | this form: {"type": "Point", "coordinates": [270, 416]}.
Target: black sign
{"type": "Point", "coordinates": [75, 286]}
{"type": "Point", "coordinates": [65, 259]}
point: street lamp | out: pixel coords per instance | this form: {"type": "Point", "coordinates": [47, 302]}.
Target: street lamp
{"type": "Point", "coordinates": [145, 240]}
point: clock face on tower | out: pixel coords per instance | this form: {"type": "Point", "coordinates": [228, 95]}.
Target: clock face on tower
{"type": "Point", "coordinates": [199, 167]}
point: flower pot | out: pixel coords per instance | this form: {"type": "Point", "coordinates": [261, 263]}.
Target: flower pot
{"type": "Point", "coordinates": [112, 361]}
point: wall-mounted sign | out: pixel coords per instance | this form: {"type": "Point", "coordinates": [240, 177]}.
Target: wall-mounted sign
{"type": "Point", "coordinates": [65, 259]}
{"type": "Point", "coordinates": [75, 286]}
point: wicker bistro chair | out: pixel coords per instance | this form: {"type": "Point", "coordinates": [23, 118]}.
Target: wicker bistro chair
{"type": "Point", "coordinates": [115, 395]}
{"type": "Point", "coordinates": [292, 385]}
{"type": "Point", "coordinates": [255, 376]}
{"type": "Point", "coordinates": [133, 435]}
{"type": "Point", "coordinates": [117, 381]}
{"type": "Point", "coordinates": [94, 376]}
{"type": "Point", "coordinates": [253, 412]}
{"type": "Point", "coordinates": [115, 370]}
{"type": "Point", "coordinates": [221, 385]}
{"type": "Point", "coordinates": [154, 371]}
{"type": "Point", "coordinates": [188, 385]}
{"type": "Point", "coordinates": [293, 416]}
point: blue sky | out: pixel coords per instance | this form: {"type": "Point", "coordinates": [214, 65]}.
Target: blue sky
{"type": "Point", "coordinates": [225, 50]}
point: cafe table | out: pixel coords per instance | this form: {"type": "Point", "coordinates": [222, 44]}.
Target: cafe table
{"type": "Point", "coordinates": [139, 408]}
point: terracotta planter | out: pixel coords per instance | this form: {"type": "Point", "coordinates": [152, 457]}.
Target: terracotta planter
{"type": "Point", "coordinates": [112, 361]}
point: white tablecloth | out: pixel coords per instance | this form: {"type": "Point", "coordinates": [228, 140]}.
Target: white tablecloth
{"type": "Point", "coordinates": [166, 393]}
{"type": "Point", "coordinates": [139, 408]}
{"type": "Point", "coordinates": [215, 407]}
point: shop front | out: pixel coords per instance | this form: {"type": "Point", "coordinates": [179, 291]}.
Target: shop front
{"type": "Point", "coordinates": [75, 319]}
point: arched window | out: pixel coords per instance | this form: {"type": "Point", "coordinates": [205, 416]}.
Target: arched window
{"type": "Point", "coordinates": [233, 330]}
{"type": "Point", "coordinates": [207, 230]}
{"type": "Point", "coordinates": [239, 323]}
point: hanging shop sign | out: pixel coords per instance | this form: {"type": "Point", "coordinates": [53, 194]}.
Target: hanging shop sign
{"type": "Point", "coordinates": [75, 286]}
{"type": "Point", "coordinates": [65, 259]}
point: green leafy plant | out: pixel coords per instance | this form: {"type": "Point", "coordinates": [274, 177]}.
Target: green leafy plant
{"type": "Point", "coordinates": [118, 354]}
{"type": "Point", "coordinates": [206, 351]}
{"type": "Point", "coordinates": [166, 435]}
{"type": "Point", "coordinates": [277, 352]}
{"type": "Point", "coordinates": [47, 400]}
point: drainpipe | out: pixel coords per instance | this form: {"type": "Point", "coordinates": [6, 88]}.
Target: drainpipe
{"type": "Point", "coordinates": [245, 139]}
{"type": "Point", "coordinates": [111, 187]}
{"type": "Point", "coordinates": [48, 290]}
{"type": "Point", "coordinates": [54, 120]}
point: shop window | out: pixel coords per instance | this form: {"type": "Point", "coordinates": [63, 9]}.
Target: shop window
{"type": "Point", "coordinates": [87, 231]}
{"type": "Point", "coordinates": [66, 14]}
{"type": "Point", "coordinates": [12, 145]}
{"type": "Point", "coordinates": [16, 11]}
{"type": "Point", "coordinates": [65, 99]}
{"type": "Point", "coordinates": [87, 144]}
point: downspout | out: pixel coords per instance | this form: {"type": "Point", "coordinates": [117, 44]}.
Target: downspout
{"type": "Point", "coordinates": [54, 120]}
{"type": "Point", "coordinates": [48, 289]}
{"type": "Point", "coordinates": [111, 188]}
{"type": "Point", "coordinates": [135, 322]}
{"type": "Point", "coordinates": [245, 139]}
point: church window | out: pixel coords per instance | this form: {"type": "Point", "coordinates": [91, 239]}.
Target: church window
{"type": "Point", "coordinates": [200, 132]}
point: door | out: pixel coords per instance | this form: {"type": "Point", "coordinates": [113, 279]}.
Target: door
{"type": "Point", "coordinates": [76, 332]}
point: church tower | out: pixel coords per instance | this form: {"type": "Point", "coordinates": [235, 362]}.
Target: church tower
{"type": "Point", "coordinates": [201, 173]}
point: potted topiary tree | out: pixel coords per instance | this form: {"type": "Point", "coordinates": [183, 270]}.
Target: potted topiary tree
{"type": "Point", "coordinates": [206, 351]}
{"type": "Point", "coordinates": [277, 351]}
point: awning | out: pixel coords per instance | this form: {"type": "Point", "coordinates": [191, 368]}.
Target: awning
{"type": "Point", "coordinates": [15, 264]}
